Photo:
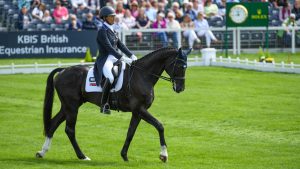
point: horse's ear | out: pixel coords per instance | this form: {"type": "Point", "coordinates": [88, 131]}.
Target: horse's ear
{"type": "Point", "coordinates": [188, 52]}
{"type": "Point", "coordinates": [180, 50]}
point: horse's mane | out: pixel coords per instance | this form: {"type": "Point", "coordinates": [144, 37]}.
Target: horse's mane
{"type": "Point", "coordinates": [157, 53]}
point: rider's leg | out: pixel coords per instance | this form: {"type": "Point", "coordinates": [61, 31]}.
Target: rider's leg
{"type": "Point", "coordinates": [107, 84]}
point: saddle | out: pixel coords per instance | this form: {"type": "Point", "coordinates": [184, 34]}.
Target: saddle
{"type": "Point", "coordinates": [118, 73]}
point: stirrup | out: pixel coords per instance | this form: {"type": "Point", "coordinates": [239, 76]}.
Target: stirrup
{"type": "Point", "coordinates": [105, 109]}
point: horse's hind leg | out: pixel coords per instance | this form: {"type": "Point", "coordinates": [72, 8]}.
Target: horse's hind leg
{"type": "Point", "coordinates": [71, 118]}
{"type": "Point", "coordinates": [55, 122]}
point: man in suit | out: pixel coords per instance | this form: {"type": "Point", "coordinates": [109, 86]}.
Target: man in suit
{"type": "Point", "coordinates": [108, 44]}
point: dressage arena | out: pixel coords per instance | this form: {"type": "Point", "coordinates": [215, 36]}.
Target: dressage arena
{"type": "Point", "coordinates": [225, 118]}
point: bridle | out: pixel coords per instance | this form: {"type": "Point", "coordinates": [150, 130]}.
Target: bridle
{"type": "Point", "coordinates": [170, 79]}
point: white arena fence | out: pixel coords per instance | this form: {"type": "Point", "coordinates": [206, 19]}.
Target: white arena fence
{"type": "Point", "coordinates": [196, 61]}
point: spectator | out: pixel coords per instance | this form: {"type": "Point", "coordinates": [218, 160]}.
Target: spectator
{"type": "Point", "coordinates": [189, 10]}
{"type": "Point", "coordinates": [88, 24]}
{"type": "Point", "coordinates": [66, 3]}
{"type": "Point", "coordinates": [60, 13]}
{"type": "Point", "coordinates": [47, 17]}
{"type": "Point", "coordinates": [296, 10]}
{"type": "Point", "coordinates": [222, 9]}
{"type": "Point", "coordinates": [128, 19]}
{"type": "Point", "coordinates": [120, 11]}
{"type": "Point", "coordinates": [284, 12]}
{"type": "Point", "coordinates": [161, 8]}
{"type": "Point", "coordinates": [74, 24]}
{"type": "Point", "coordinates": [119, 24]}
{"type": "Point", "coordinates": [134, 9]}
{"type": "Point", "coordinates": [78, 4]}
{"type": "Point", "coordinates": [92, 4]}
{"type": "Point", "coordinates": [35, 4]}
{"type": "Point", "coordinates": [173, 24]}
{"type": "Point", "coordinates": [203, 29]}
{"type": "Point", "coordinates": [189, 31]}
{"type": "Point", "coordinates": [23, 19]}
{"type": "Point", "coordinates": [97, 20]}
{"type": "Point", "coordinates": [150, 12]}
{"type": "Point", "coordinates": [184, 5]}
{"type": "Point", "coordinates": [160, 23]}
{"type": "Point", "coordinates": [142, 22]}
{"type": "Point", "coordinates": [178, 16]}
{"type": "Point", "coordinates": [175, 7]}
{"type": "Point", "coordinates": [211, 10]}
{"type": "Point", "coordinates": [22, 3]}
{"type": "Point", "coordinates": [154, 5]}
{"type": "Point", "coordinates": [198, 7]}
{"type": "Point", "coordinates": [38, 11]}
{"type": "Point", "coordinates": [288, 24]}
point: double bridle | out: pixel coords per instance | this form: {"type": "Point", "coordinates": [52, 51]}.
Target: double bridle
{"type": "Point", "coordinates": [170, 79]}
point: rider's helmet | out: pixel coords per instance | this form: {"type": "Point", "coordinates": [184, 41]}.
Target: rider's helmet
{"type": "Point", "coordinates": [107, 11]}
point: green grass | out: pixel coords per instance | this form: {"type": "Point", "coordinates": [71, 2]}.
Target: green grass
{"type": "Point", "coordinates": [225, 119]}
{"type": "Point", "coordinates": [285, 57]}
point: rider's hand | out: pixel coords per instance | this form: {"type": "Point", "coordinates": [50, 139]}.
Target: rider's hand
{"type": "Point", "coordinates": [127, 60]}
{"type": "Point", "coordinates": [133, 57]}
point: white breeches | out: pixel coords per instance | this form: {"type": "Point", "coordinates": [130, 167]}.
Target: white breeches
{"type": "Point", "coordinates": [208, 36]}
{"type": "Point", "coordinates": [191, 36]}
{"type": "Point", "coordinates": [108, 66]}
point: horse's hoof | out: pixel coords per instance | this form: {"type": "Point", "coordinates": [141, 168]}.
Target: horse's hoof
{"type": "Point", "coordinates": [163, 158]}
{"type": "Point", "coordinates": [125, 158]}
{"type": "Point", "coordinates": [38, 155]}
{"type": "Point", "coordinates": [86, 158]}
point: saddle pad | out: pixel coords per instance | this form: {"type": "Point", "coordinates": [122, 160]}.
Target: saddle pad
{"type": "Point", "coordinates": [90, 83]}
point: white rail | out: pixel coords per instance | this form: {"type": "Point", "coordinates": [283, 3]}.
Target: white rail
{"type": "Point", "coordinates": [196, 61]}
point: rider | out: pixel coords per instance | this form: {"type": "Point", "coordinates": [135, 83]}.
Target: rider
{"type": "Point", "coordinates": [108, 44]}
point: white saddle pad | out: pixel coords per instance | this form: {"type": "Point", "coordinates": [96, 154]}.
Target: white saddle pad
{"type": "Point", "coordinates": [90, 82]}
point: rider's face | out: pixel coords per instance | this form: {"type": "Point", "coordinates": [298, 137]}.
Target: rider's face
{"type": "Point", "coordinates": [110, 19]}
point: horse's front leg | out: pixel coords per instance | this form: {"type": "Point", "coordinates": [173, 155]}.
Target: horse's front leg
{"type": "Point", "coordinates": [160, 128]}
{"type": "Point", "coordinates": [135, 120]}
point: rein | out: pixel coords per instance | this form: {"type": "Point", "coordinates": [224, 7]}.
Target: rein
{"type": "Point", "coordinates": [169, 79]}
{"type": "Point", "coordinates": [155, 75]}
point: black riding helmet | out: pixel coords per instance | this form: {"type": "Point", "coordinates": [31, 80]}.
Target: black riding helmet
{"type": "Point", "coordinates": [107, 11]}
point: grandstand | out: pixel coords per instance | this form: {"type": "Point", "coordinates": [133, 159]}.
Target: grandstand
{"type": "Point", "coordinates": [250, 38]}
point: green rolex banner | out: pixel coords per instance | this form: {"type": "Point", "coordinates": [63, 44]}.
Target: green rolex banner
{"type": "Point", "coordinates": [248, 14]}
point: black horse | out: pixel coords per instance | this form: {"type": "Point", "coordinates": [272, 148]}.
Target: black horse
{"type": "Point", "coordinates": [136, 96]}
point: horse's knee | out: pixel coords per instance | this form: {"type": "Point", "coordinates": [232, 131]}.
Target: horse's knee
{"type": "Point", "coordinates": [160, 127]}
{"type": "Point", "coordinates": [69, 131]}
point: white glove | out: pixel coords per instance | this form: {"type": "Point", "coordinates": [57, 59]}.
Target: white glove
{"type": "Point", "coordinates": [126, 60]}
{"type": "Point", "coordinates": [133, 57]}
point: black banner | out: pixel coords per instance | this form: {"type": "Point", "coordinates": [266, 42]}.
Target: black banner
{"type": "Point", "coordinates": [47, 44]}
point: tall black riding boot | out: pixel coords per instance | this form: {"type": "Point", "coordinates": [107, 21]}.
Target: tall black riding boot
{"type": "Point", "coordinates": [104, 99]}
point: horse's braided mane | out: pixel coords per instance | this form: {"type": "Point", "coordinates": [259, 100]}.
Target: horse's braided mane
{"type": "Point", "coordinates": [160, 51]}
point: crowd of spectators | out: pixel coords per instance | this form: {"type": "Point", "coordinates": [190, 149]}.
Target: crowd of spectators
{"type": "Point", "coordinates": [196, 15]}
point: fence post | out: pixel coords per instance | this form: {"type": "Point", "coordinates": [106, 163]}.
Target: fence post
{"type": "Point", "coordinates": [282, 64]}
{"type": "Point", "coordinates": [293, 39]}
{"type": "Point", "coordinates": [238, 60]}
{"type": "Point", "coordinates": [229, 59]}
{"type": "Point", "coordinates": [35, 67]}
{"type": "Point", "coordinates": [13, 68]}
{"type": "Point", "coordinates": [247, 61]}
{"type": "Point", "coordinates": [221, 59]}
{"type": "Point", "coordinates": [255, 62]}
{"type": "Point", "coordinates": [179, 38]}
{"type": "Point", "coordinates": [292, 65]}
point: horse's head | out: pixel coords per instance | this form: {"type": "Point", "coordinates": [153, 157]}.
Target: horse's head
{"type": "Point", "coordinates": [176, 70]}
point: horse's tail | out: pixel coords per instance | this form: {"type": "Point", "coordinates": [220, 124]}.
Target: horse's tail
{"type": "Point", "coordinates": [48, 101]}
